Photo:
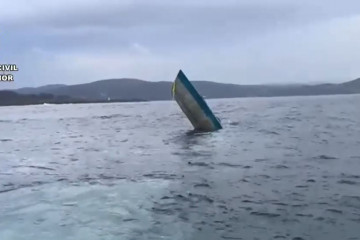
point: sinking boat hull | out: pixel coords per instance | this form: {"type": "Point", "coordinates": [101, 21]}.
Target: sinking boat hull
{"type": "Point", "coordinates": [193, 105]}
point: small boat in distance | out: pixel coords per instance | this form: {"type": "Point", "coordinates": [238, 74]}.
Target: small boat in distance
{"type": "Point", "coordinates": [193, 105]}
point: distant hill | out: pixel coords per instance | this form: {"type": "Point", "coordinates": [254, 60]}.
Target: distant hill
{"type": "Point", "coordinates": [12, 98]}
{"type": "Point", "coordinates": [127, 89]}
{"type": "Point", "coordinates": [124, 88]}
{"type": "Point", "coordinates": [355, 85]}
{"type": "Point", "coordinates": [36, 90]}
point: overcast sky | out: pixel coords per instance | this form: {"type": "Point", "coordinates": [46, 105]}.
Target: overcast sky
{"type": "Point", "coordinates": [235, 41]}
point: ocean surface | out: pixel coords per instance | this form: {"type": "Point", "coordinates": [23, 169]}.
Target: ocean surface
{"type": "Point", "coordinates": [282, 168]}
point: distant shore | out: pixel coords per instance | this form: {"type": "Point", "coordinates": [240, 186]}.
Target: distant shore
{"type": "Point", "coordinates": [142, 100]}
{"type": "Point", "coordinates": [136, 90]}
{"type": "Point", "coordinates": [10, 98]}
{"type": "Point", "coordinates": [71, 102]}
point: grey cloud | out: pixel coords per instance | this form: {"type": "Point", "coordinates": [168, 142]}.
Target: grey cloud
{"type": "Point", "coordinates": [158, 22]}
{"type": "Point", "coordinates": [251, 41]}
{"type": "Point", "coordinates": [127, 14]}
